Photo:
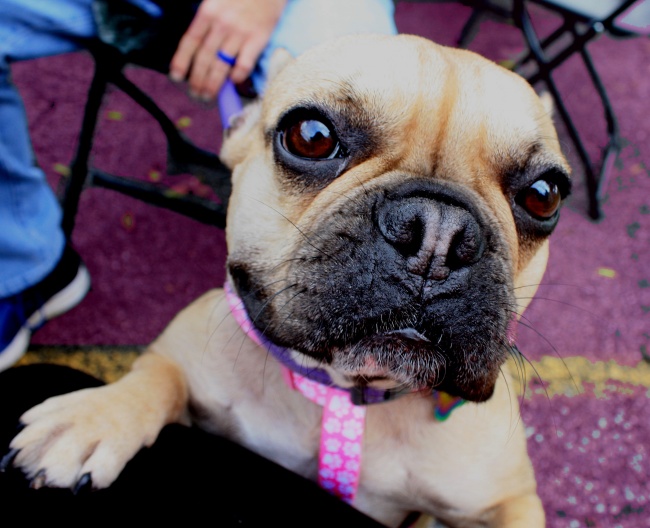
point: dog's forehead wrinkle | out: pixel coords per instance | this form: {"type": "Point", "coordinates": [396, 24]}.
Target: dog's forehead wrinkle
{"type": "Point", "coordinates": [364, 107]}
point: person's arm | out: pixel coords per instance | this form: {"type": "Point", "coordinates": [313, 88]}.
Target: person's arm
{"type": "Point", "coordinates": [238, 28]}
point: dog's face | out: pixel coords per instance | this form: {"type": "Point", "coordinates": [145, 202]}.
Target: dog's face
{"type": "Point", "coordinates": [391, 205]}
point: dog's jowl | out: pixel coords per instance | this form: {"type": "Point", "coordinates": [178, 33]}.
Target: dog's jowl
{"type": "Point", "coordinates": [388, 225]}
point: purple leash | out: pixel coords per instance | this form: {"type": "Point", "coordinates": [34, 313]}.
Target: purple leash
{"type": "Point", "coordinates": [229, 103]}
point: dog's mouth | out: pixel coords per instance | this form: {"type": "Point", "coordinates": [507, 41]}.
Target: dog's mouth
{"type": "Point", "coordinates": [368, 363]}
{"type": "Point", "coordinates": [406, 360]}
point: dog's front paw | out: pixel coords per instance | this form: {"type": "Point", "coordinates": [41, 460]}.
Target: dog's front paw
{"type": "Point", "coordinates": [78, 440]}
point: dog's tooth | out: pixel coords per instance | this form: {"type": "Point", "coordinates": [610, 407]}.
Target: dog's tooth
{"type": "Point", "coordinates": [409, 333]}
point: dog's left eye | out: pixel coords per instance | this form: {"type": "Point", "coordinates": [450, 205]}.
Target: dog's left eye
{"type": "Point", "coordinates": [541, 199]}
{"type": "Point", "coordinates": [311, 139]}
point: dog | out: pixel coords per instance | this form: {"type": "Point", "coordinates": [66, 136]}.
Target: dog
{"type": "Point", "coordinates": [389, 220]}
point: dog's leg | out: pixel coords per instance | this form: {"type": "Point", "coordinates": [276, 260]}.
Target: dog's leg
{"type": "Point", "coordinates": [93, 433]}
{"type": "Point", "coordinates": [525, 511]}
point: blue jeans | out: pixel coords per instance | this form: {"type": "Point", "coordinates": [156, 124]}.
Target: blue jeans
{"type": "Point", "coordinates": [31, 239]}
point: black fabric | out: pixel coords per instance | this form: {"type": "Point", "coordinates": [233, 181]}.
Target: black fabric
{"type": "Point", "coordinates": [187, 474]}
{"type": "Point", "coordinates": [139, 37]}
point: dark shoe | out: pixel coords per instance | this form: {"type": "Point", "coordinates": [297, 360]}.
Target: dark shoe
{"type": "Point", "coordinates": [23, 313]}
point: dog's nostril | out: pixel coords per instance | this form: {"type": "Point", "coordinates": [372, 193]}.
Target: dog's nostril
{"type": "Point", "coordinates": [434, 237]}
{"type": "Point", "coordinates": [407, 237]}
{"type": "Point", "coordinates": [466, 246]}
{"type": "Point", "coordinates": [404, 224]}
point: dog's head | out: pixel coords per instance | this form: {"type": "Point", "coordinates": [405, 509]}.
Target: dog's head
{"type": "Point", "coordinates": [391, 205]}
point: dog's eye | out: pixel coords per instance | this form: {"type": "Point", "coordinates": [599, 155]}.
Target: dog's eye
{"type": "Point", "coordinates": [542, 199]}
{"type": "Point", "coordinates": [310, 139]}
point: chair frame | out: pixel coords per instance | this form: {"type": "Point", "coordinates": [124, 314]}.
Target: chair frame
{"type": "Point", "coordinates": [582, 30]}
{"type": "Point", "coordinates": [183, 155]}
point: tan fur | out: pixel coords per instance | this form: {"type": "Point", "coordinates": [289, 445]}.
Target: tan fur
{"type": "Point", "coordinates": [472, 470]}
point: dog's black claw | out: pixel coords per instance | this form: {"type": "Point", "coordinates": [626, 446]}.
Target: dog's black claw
{"type": "Point", "coordinates": [8, 460]}
{"type": "Point", "coordinates": [39, 480]}
{"type": "Point", "coordinates": [85, 483]}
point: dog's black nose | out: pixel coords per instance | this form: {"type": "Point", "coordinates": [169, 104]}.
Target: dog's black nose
{"type": "Point", "coordinates": [435, 237]}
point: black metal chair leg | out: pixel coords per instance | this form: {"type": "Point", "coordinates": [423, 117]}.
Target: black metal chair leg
{"type": "Point", "coordinates": [548, 53]}
{"type": "Point", "coordinates": [544, 44]}
{"type": "Point", "coordinates": [470, 29]}
{"type": "Point", "coordinates": [591, 179]}
{"type": "Point", "coordinates": [522, 19]}
{"type": "Point", "coordinates": [79, 168]}
{"type": "Point", "coordinates": [614, 139]}
{"type": "Point", "coordinates": [183, 156]}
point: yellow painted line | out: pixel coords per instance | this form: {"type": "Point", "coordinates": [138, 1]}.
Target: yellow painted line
{"type": "Point", "coordinates": [578, 375]}
{"type": "Point", "coordinates": [108, 364]}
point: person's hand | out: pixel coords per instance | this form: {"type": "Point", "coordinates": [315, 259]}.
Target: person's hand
{"type": "Point", "coordinates": [238, 28]}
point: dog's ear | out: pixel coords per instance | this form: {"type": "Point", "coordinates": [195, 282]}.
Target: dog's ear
{"type": "Point", "coordinates": [236, 143]}
{"type": "Point", "coordinates": [280, 58]}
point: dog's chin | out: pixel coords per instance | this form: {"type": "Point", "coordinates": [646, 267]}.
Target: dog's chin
{"type": "Point", "coordinates": [406, 361]}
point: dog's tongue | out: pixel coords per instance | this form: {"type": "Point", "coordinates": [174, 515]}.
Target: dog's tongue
{"type": "Point", "coordinates": [408, 333]}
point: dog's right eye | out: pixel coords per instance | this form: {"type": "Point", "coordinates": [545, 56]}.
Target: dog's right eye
{"type": "Point", "coordinates": [310, 139]}
{"type": "Point", "coordinates": [307, 146]}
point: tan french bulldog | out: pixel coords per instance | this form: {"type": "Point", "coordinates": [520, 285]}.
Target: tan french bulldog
{"type": "Point", "coordinates": [391, 205]}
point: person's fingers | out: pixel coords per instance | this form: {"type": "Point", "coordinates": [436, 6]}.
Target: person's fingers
{"type": "Point", "coordinates": [247, 59]}
{"type": "Point", "coordinates": [220, 69]}
{"type": "Point", "coordinates": [238, 28]}
{"type": "Point", "coordinates": [206, 63]}
{"type": "Point", "coordinates": [189, 43]}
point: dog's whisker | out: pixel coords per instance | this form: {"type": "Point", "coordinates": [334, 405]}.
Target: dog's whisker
{"type": "Point", "coordinates": [564, 303]}
{"type": "Point", "coordinates": [262, 308]}
{"type": "Point", "coordinates": [280, 308]}
{"type": "Point", "coordinates": [556, 352]}
{"type": "Point", "coordinates": [234, 333]}
{"type": "Point", "coordinates": [539, 377]}
{"type": "Point", "coordinates": [544, 284]}
{"type": "Point", "coordinates": [212, 333]}
{"type": "Point", "coordinates": [269, 300]}
{"type": "Point", "coordinates": [514, 423]}
{"type": "Point", "coordinates": [268, 350]}
{"type": "Point", "coordinates": [520, 366]}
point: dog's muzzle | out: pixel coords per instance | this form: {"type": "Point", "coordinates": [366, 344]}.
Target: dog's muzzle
{"type": "Point", "coordinates": [412, 279]}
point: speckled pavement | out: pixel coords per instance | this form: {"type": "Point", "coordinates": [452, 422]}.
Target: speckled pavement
{"type": "Point", "coordinates": [587, 428]}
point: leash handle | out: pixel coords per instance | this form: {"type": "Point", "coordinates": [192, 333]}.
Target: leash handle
{"type": "Point", "coordinates": [229, 103]}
